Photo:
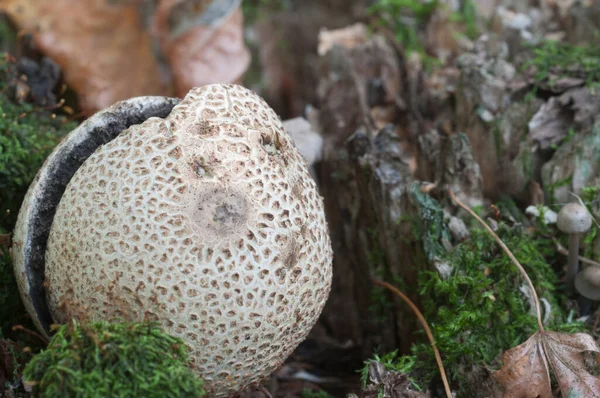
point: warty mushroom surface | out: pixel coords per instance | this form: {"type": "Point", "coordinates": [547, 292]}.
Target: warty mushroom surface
{"type": "Point", "coordinates": [206, 220]}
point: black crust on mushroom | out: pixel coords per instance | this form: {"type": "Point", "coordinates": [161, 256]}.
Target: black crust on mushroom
{"type": "Point", "coordinates": [59, 168]}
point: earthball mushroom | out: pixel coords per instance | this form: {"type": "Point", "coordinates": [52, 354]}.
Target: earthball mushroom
{"type": "Point", "coordinates": [200, 214]}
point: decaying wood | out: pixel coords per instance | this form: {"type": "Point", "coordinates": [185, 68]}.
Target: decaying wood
{"type": "Point", "coordinates": [476, 127]}
{"type": "Point", "coordinates": [374, 201]}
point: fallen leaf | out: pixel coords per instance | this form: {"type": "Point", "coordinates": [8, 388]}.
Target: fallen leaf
{"type": "Point", "coordinates": [348, 37]}
{"type": "Point", "coordinates": [110, 50]}
{"type": "Point", "coordinates": [550, 125]}
{"type": "Point", "coordinates": [98, 44]}
{"type": "Point", "coordinates": [203, 41]}
{"type": "Point", "coordinates": [525, 374]}
{"type": "Point", "coordinates": [563, 352]}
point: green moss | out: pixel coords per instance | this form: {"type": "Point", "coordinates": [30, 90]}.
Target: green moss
{"type": "Point", "coordinates": [430, 229]}
{"type": "Point", "coordinates": [27, 136]}
{"type": "Point", "coordinates": [112, 359]}
{"type": "Point", "coordinates": [379, 304]}
{"type": "Point", "coordinates": [566, 60]}
{"type": "Point", "coordinates": [468, 16]}
{"type": "Point", "coordinates": [426, 225]}
{"type": "Point", "coordinates": [13, 358]}
{"type": "Point", "coordinates": [551, 188]}
{"type": "Point", "coordinates": [480, 311]}
{"type": "Point", "coordinates": [391, 361]}
{"type": "Point", "coordinates": [590, 194]}
{"type": "Point", "coordinates": [406, 18]}
{"type": "Point", "coordinates": [254, 10]}
{"type": "Point", "coordinates": [8, 36]}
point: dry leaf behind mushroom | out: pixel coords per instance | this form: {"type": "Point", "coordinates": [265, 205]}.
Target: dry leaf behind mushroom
{"type": "Point", "coordinates": [205, 52]}
{"type": "Point", "coordinates": [107, 51]}
{"type": "Point", "coordinates": [100, 46]}
{"type": "Point", "coordinates": [525, 370]}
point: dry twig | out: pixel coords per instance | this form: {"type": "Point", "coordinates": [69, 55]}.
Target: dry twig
{"type": "Point", "coordinates": [438, 358]}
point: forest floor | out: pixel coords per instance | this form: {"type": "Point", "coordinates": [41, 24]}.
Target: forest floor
{"type": "Point", "coordinates": [495, 101]}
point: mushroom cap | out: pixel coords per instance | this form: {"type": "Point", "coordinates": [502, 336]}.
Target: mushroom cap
{"type": "Point", "coordinates": [207, 221]}
{"type": "Point", "coordinates": [587, 282]}
{"type": "Point", "coordinates": [39, 205]}
{"type": "Point", "coordinates": [574, 218]}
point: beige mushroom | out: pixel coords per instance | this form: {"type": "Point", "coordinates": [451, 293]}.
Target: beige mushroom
{"type": "Point", "coordinates": [573, 219]}
{"type": "Point", "coordinates": [587, 282]}
{"type": "Point", "coordinates": [207, 221]}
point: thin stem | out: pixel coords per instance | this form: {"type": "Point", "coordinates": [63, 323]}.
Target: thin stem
{"type": "Point", "coordinates": [561, 249]}
{"type": "Point", "coordinates": [573, 262]}
{"type": "Point", "coordinates": [509, 254]}
{"type": "Point", "coordinates": [265, 391]}
{"type": "Point", "coordinates": [30, 332]}
{"type": "Point", "coordinates": [421, 318]}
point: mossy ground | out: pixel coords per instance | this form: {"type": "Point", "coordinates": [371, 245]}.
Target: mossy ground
{"type": "Point", "coordinates": [28, 133]}
{"type": "Point", "coordinates": [112, 359]}
{"type": "Point", "coordinates": [406, 18]}
{"type": "Point", "coordinates": [483, 308]}
{"type": "Point", "coordinates": [554, 60]}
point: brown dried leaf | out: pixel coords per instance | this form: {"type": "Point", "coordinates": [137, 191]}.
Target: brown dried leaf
{"type": "Point", "coordinates": [204, 47]}
{"type": "Point", "coordinates": [107, 50]}
{"type": "Point", "coordinates": [348, 37]}
{"type": "Point", "coordinates": [524, 373]}
{"type": "Point", "coordinates": [563, 352]}
{"type": "Point", "coordinates": [100, 46]}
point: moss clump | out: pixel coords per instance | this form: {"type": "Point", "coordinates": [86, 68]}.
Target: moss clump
{"type": "Point", "coordinates": [482, 308]}
{"type": "Point", "coordinates": [27, 135]}
{"type": "Point", "coordinates": [391, 361]}
{"type": "Point", "coordinates": [406, 18]}
{"type": "Point", "coordinates": [557, 60]}
{"type": "Point", "coordinates": [112, 359]}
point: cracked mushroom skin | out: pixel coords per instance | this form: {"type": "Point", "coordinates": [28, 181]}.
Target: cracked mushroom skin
{"type": "Point", "coordinates": [207, 221]}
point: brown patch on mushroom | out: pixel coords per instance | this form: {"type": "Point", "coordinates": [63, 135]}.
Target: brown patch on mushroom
{"type": "Point", "coordinates": [292, 251]}
{"type": "Point", "coordinates": [202, 128]}
{"type": "Point", "coordinates": [199, 168]}
{"type": "Point", "coordinates": [297, 189]}
{"type": "Point", "coordinates": [270, 145]}
{"type": "Point", "coordinates": [218, 210]}
{"type": "Point", "coordinates": [175, 153]}
{"type": "Point", "coordinates": [292, 254]}
{"type": "Point", "coordinates": [275, 146]}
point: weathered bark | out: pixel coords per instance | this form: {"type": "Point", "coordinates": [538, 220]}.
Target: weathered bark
{"type": "Point", "coordinates": [382, 222]}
